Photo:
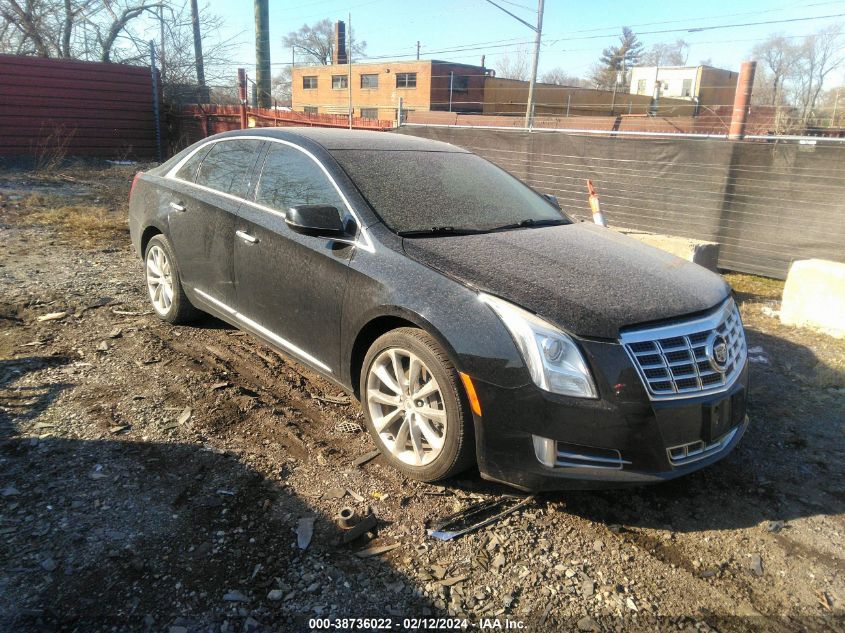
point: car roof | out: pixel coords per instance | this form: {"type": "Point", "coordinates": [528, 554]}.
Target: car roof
{"type": "Point", "coordinates": [342, 139]}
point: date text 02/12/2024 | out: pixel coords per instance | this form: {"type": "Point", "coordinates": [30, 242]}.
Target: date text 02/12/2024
{"type": "Point", "coordinates": [413, 624]}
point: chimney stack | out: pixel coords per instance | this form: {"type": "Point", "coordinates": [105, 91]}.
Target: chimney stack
{"type": "Point", "coordinates": [339, 55]}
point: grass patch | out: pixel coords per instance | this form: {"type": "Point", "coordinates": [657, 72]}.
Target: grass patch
{"type": "Point", "coordinates": [753, 287]}
{"type": "Point", "coordinates": [83, 220]}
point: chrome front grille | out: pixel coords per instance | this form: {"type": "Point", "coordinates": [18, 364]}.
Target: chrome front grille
{"type": "Point", "coordinates": [694, 451]}
{"type": "Point", "coordinates": [674, 361]}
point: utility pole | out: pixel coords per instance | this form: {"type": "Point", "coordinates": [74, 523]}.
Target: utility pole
{"type": "Point", "coordinates": [202, 95]}
{"type": "Point", "coordinates": [262, 52]}
{"type": "Point", "coordinates": [529, 110]}
{"type": "Point", "coordinates": [156, 113]}
{"type": "Point", "coordinates": [538, 33]}
{"type": "Point", "coordinates": [161, 40]}
{"type": "Point", "coordinates": [349, 64]}
{"type": "Point", "coordinates": [835, 106]}
{"type": "Point", "coordinates": [418, 50]}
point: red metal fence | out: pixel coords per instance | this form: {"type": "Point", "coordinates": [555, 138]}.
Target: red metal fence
{"type": "Point", "coordinates": [79, 108]}
{"type": "Point", "coordinates": [192, 123]}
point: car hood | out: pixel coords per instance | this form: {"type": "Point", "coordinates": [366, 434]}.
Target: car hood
{"type": "Point", "coordinates": [589, 280]}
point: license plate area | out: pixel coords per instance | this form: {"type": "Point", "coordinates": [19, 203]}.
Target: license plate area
{"type": "Point", "coordinates": [721, 416]}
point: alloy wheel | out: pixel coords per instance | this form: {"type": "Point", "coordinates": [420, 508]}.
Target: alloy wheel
{"type": "Point", "coordinates": [406, 406]}
{"type": "Point", "coordinates": [159, 279]}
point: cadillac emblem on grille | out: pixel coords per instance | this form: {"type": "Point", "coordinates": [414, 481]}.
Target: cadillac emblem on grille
{"type": "Point", "coordinates": [717, 352]}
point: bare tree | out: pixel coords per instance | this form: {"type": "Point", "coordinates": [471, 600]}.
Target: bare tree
{"type": "Point", "coordinates": [778, 59]}
{"type": "Point", "coordinates": [516, 66]}
{"type": "Point", "coordinates": [666, 54]}
{"type": "Point", "coordinates": [316, 42]}
{"type": "Point", "coordinates": [281, 87]}
{"type": "Point", "coordinates": [179, 47]}
{"type": "Point", "coordinates": [821, 53]}
{"type": "Point", "coordinates": [559, 77]}
{"type": "Point", "coordinates": [111, 30]}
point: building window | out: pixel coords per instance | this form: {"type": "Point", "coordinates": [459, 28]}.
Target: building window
{"type": "Point", "coordinates": [369, 81]}
{"type": "Point", "coordinates": [369, 113]}
{"type": "Point", "coordinates": [310, 109]}
{"type": "Point", "coordinates": [641, 87]}
{"type": "Point", "coordinates": [340, 82]}
{"type": "Point", "coordinates": [686, 91]}
{"type": "Point", "coordinates": [309, 83]}
{"type": "Point", "coordinates": [460, 83]}
{"type": "Point", "coordinates": [406, 80]}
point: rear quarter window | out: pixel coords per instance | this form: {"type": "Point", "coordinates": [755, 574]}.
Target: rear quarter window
{"type": "Point", "coordinates": [188, 171]}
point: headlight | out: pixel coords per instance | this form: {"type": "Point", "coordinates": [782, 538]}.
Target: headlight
{"type": "Point", "coordinates": [553, 359]}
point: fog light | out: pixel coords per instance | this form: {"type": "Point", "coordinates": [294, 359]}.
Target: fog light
{"type": "Point", "coordinates": [545, 450]}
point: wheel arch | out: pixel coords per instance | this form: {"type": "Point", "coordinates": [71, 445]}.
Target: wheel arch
{"type": "Point", "coordinates": [150, 231]}
{"type": "Point", "coordinates": [391, 318]}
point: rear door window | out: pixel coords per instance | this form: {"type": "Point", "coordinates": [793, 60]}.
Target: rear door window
{"type": "Point", "coordinates": [290, 177]}
{"type": "Point", "coordinates": [228, 166]}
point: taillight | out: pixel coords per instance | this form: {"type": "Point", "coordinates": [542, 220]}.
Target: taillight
{"type": "Point", "coordinates": [134, 182]}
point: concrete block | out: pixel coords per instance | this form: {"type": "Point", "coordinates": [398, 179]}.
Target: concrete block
{"type": "Point", "coordinates": [697, 251]}
{"type": "Point", "coordinates": [814, 296]}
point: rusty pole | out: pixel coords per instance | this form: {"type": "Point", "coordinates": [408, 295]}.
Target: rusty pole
{"type": "Point", "coordinates": [242, 96]}
{"type": "Point", "coordinates": [742, 100]}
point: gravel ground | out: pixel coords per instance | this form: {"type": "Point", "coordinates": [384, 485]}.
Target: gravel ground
{"type": "Point", "coordinates": [154, 478]}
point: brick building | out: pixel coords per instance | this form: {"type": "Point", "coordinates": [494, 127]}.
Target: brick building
{"type": "Point", "coordinates": [377, 88]}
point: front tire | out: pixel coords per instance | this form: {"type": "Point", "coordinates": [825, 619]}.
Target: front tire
{"type": "Point", "coordinates": [164, 286]}
{"type": "Point", "coordinates": [414, 407]}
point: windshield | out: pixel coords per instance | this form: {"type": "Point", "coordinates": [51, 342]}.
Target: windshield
{"type": "Point", "coordinates": [416, 191]}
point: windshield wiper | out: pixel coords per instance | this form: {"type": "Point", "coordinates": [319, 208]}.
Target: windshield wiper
{"type": "Point", "coordinates": [529, 222]}
{"type": "Point", "coordinates": [439, 230]}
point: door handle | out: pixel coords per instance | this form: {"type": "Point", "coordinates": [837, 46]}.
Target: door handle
{"type": "Point", "coordinates": [177, 207]}
{"type": "Point", "coordinates": [246, 237]}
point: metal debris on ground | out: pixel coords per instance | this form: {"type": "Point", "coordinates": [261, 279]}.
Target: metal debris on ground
{"type": "Point", "coordinates": [353, 526]}
{"type": "Point", "coordinates": [355, 495]}
{"type": "Point", "coordinates": [185, 415]}
{"type": "Point", "coordinates": [304, 532]}
{"type": "Point", "coordinates": [477, 516]}
{"type": "Point", "coordinates": [363, 459]}
{"type": "Point", "coordinates": [376, 551]}
{"type": "Point", "coordinates": [348, 428]}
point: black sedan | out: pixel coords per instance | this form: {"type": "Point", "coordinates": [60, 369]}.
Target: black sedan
{"type": "Point", "coordinates": [475, 321]}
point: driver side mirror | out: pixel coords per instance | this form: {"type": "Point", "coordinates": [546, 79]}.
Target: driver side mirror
{"type": "Point", "coordinates": [319, 220]}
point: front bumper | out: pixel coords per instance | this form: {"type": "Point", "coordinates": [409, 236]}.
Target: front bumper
{"type": "Point", "coordinates": [623, 422]}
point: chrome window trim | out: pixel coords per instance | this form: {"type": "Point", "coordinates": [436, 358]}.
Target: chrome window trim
{"type": "Point", "coordinates": [682, 329]}
{"type": "Point", "coordinates": [363, 240]}
{"type": "Point", "coordinates": [260, 329]}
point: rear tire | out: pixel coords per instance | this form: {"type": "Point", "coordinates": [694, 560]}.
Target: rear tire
{"type": "Point", "coordinates": [415, 409]}
{"type": "Point", "coordinates": [164, 285]}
